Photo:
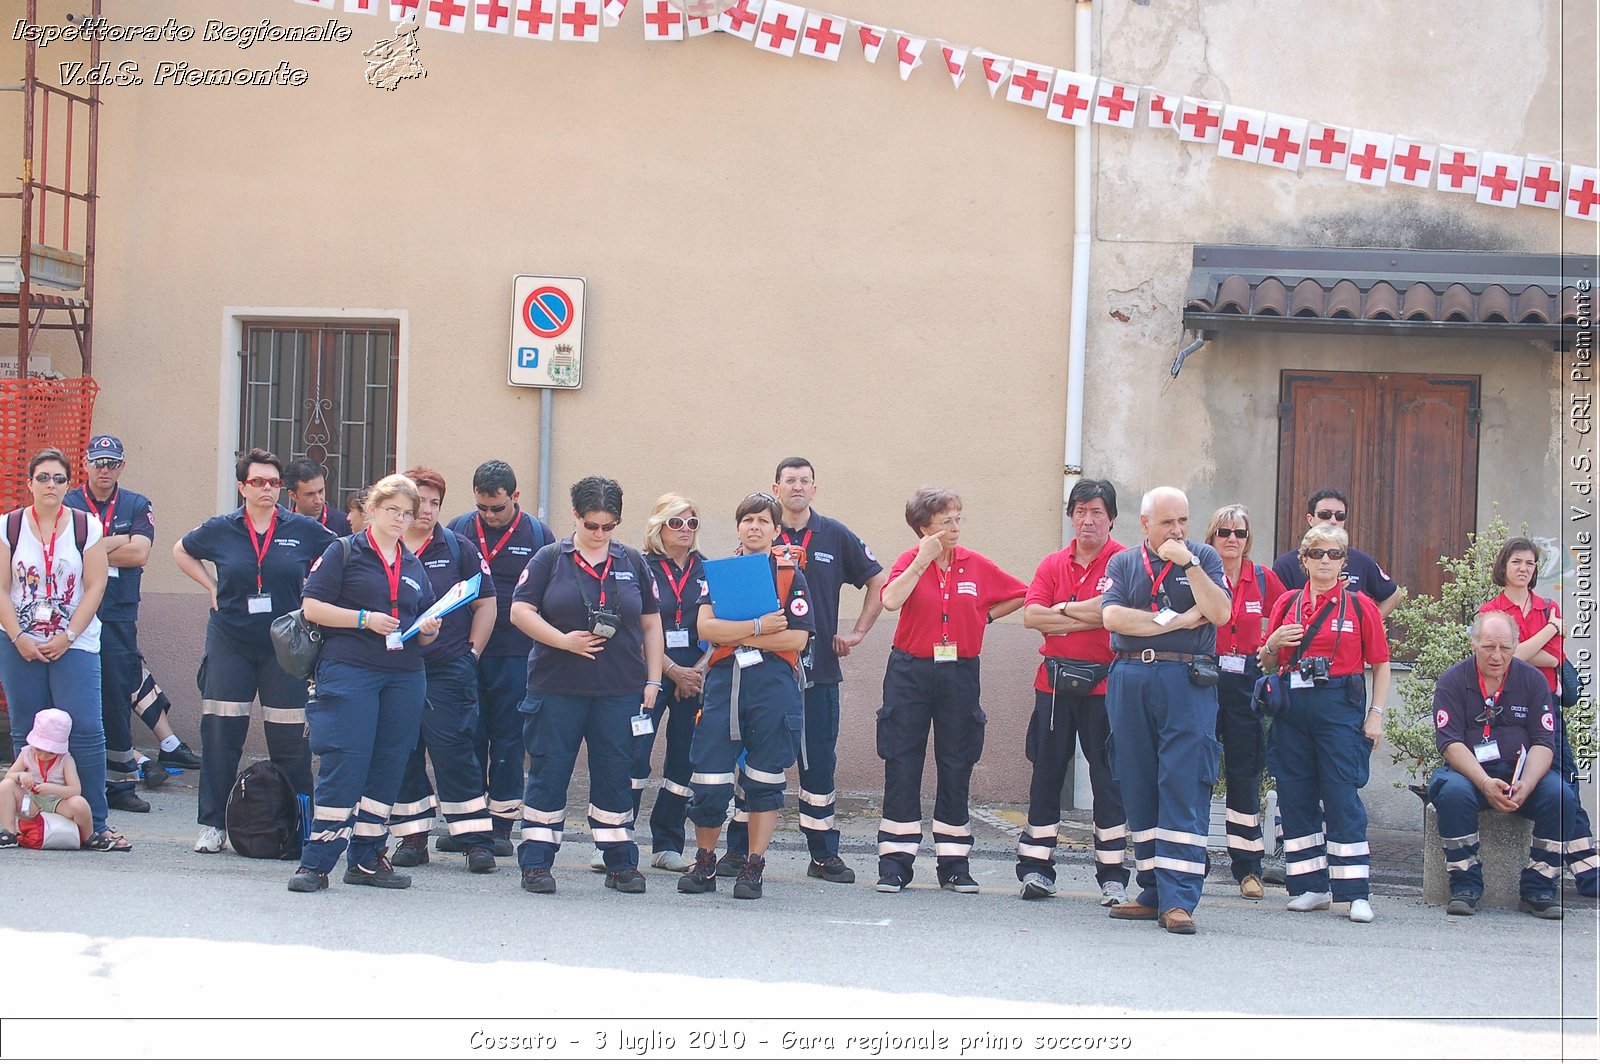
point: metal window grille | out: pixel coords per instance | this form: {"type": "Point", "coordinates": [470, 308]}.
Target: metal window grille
{"type": "Point", "coordinates": [326, 391]}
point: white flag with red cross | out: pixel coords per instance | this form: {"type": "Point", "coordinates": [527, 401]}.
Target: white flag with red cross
{"type": "Point", "coordinates": [1071, 98]}
{"type": "Point", "coordinates": [955, 61]}
{"type": "Point", "coordinates": [908, 51]}
{"type": "Point", "coordinates": [535, 19]}
{"type": "Point", "coordinates": [741, 20]}
{"type": "Point", "coordinates": [996, 69]}
{"type": "Point", "coordinates": [824, 36]}
{"type": "Point", "coordinates": [1241, 132]}
{"type": "Point", "coordinates": [662, 21]}
{"type": "Point", "coordinates": [446, 15]}
{"type": "Point", "coordinates": [1327, 147]}
{"type": "Point", "coordinates": [779, 27]}
{"type": "Point", "coordinates": [400, 10]}
{"type": "Point", "coordinates": [700, 25]}
{"type": "Point", "coordinates": [491, 16]}
{"type": "Point", "coordinates": [1283, 142]}
{"type": "Point", "coordinates": [579, 21]}
{"type": "Point", "coordinates": [1458, 169]}
{"type": "Point", "coordinates": [1412, 163]}
{"type": "Point", "coordinates": [1161, 109]}
{"type": "Point", "coordinates": [360, 7]}
{"type": "Point", "coordinates": [1116, 104]}
{"type": "Point", "coordinates": [1368, 163]}
{"type": "Point", "coordinates": [1199, 121]}
{"type": "Point", "coordinates": [1541, 182]}
{"type": "Point", "coordinates": [1030, 84]}
{"type": "Point", "coordinates": [1583, 193]}
{"type": "Point", "coordinates": [1500, 179]}
{"type": "Point", "coordinates": [612, 12]}
{"type": "Point", "coordinates": [871, 40]}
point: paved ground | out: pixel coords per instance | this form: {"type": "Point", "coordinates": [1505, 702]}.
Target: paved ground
{"type": "Point", "coordinates": [167, 932]}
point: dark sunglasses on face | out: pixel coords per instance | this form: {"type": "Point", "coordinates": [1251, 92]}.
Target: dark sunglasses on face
{"type": "Point", "coordinates": [1331, 515]}
{"type": "Point", "coordinates": [1318, 553]}
{"type": "Point", "coordinates": [107, 463]}
{"type": "Point", "coordinates": [593, 527]}
{"type": "Point", "coordinates": [265, 482]}
{"type": "Point", "coordinates": [678, 524]}
{"type": "Point", "coordinates": [1235, 533]}
{"type": "Point", "coordinates": [50, 478]}
{"type": "Point", "coordinates": [485, 508]}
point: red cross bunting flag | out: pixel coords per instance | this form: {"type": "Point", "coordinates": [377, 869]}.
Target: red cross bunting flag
{"type": "Point", "coordinates": [1327, 147]}
{"type": "Point", "coordinates": [1368, 163]}
{"type": "Point", "coordinates": [1199, 121]}
{"type": "Point", "coordinates": [1030, 84]}
{"type": "Point", "coordinates": [400, 10]}
{"type": "Point", "coordinates": [1240, 135]}
{"type": "Point", "coordinates": [361, 7]}
{"type": "Point", "coordinates": [700, 25]}
{"type": "Point", "coordinates": [1583, 193]}
{"type": "Point", "coordinates": [579, 21]}
{"type": "Point", "coordinates": [1283, 142]}
{"type": "Point", "coordinates": [871, 40]}
{"type": "Point", "coordinates": [1161, 109]}
{"type": "Point", "coordinates": [491, 16]}
{"type": "Point", "coordinates": [779, 28]}
{"type": "Point", "coordinates": [909, 52]}
{"type": "Point", "coordinates": [1116, 104]}
{"type": "Point", "coordinates": [534, 19]}
{"type": "Point", "coordinates": [446, 15]}
{"type": "Point", "coordinates": [662, 21]}
{"type": "Point", "coordinates": [1458, 169]}
{"type": "Point", "coordinates": [1500, 179]}
{"type": "Point", "coordinates": [955, 61]}
{"type": "Point", "coordinates": [1071, 98]}
{"type": "Point", "coordinates": [742, 19]}
{"type": "Point", "coordinates": [1541, 182]}
{"type": "Point", "coordinates": [823, 37]}
{"type": "Point", "coordinates": [611, 13]}
{"type": "Point", "coordinates": [1412, 163]}
{"type": "Point", "coordinates": [996, 69]}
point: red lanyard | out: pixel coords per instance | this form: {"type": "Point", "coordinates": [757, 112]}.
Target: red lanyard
{"type": "Point", "coordinates": [48, 546]}
{"type": "Point", "coordinates": [483, 544]}
{"type": "Point", "coordinates": [391, 573]}
{"type": "Point", "coordinates": [1238, 600]}
{"type": "Point", "coordinates": [1155, 582]}
{"type": "Point", "coordinates": [44, 767]}
{"type": "Point", "coordinates": [804, 543]}
{"type": "Point", "coordinates": [944, 591]}
{"type": "Point", "coordinates": [676, 585]}
{"type": "Point", "coordinates": [324, 517]}
{"type": "Point", "coordinates": [260, 544]}
{"type": "Point", "coordinates": [111, 507]}
{"type": "Point", "coordinates": [600, 576]}
{"type": "Point", "coordinates": [1489, 703]}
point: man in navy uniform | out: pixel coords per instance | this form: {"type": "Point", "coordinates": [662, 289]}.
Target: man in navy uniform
{"type": "Point", "coordinates": [830, 555]}
{"type": "Point", "coordinates": [507, 537]}
{"type": "Point", "coordinates": [1328, 506]}
{"type": "Point", "coordinates": [307, 487]}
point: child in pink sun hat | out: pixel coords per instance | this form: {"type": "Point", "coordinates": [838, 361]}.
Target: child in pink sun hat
{"type": "Point", "coordinates": [45, 777]}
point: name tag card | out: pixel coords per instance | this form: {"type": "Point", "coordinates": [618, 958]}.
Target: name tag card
{"type": "Point", "coordinates": [392, 641]}
{"type": "Point", "coordinates": [745, 657]}
{"type": "Point", "coordinates": [642, 724]}
{"type": "Point", "coordinates": [1166, 617]}
{"type": "Point", "coordinates": [113, 572]}
{"type": "Point", "coordinates": [677, 638]}
{"type": "Point", "coordinates": [944, 652]}
{"type": "Point", "coordinates": [1487, 751]}
{"type": "Point", "coordinates": [1296, 681]}
{"type": "Point", "coordinates": [258, 604]}
{"type": "Point", "coordinates": [1231, 663]}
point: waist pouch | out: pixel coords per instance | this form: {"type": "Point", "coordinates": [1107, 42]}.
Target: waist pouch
{"type": "Point", "coordinates": [1069, 676]}
{"type": "Point", "coordinates": [1203, 671]}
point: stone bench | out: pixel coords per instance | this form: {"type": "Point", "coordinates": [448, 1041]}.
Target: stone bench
{"type": "Point", "coordinates": [1504, 839]}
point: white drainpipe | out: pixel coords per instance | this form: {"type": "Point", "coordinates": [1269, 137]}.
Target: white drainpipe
{"type": "Point", "coordinates": [1078, 329]}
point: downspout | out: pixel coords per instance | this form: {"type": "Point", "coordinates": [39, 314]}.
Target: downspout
{"type": "Point", "coordinates": [1078, 326]}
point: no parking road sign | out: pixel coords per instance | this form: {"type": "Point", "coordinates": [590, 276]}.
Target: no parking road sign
{"type": "Point", "coordinates": [546, 331]}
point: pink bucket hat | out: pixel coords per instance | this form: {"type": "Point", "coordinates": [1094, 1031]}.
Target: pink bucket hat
{"type": "Point", "coordinates": [50, 730]}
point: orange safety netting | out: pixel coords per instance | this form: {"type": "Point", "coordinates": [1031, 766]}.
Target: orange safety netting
{"type": "Point", "coordinates": [35, 414]}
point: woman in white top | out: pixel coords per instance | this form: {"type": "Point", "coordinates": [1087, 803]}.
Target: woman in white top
{"type": "Point", "coordinates": [52, 576]}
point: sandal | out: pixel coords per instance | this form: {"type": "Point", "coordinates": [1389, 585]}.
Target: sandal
{"type": "Point", "coordinates": [107, 841]}
{"type": "Point", "coordinates": [8, 839]}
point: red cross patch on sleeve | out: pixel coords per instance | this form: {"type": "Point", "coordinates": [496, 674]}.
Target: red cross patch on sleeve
{"type": "Point", "coordinates": [1441, 719]}
{"type": "Point", "coordinates": [1548, 721]}
{"type": "Point", "coordinates": [799, 606]}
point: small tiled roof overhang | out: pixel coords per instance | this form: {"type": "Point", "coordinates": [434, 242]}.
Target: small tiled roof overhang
{"type": "Point", "coordinates": [1379, 290]}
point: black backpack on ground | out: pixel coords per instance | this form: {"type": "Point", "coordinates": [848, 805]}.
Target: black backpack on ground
{"type": "Point", "coordinates": [263, 814]}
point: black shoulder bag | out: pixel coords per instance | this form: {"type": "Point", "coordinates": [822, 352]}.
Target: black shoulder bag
{"type": "Point", "coordinates": [1271, 694]}
{"type": "Point", "coordinates": [296, 641]}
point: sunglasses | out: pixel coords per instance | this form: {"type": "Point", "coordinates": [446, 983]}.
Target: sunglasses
{"type": "Point", "coordinates": [678, 524]}
{"type": "Point", "coordinates": [594, 527]}
{"type": "Point", "coordinates": [485, 508]}
{"type": "Point", "coordinates": [50, 478]}
{"type": "Point", "coordinates": [107, 463]}
{"type": "Point", "coordinates": [1318, 553]}
{"type": "Point", "coordinates": [265, 482]}
{"type": "Point", "coordinates": [1331, 515]}
{"type": "Point", "coordinates": [1233, 533]}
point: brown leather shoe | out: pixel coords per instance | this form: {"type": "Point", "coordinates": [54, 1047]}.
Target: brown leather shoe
{"type": "Point", "coordinates": [1132, 910]}
{"type": "Point", "coordinates": [1250, 887]}
{"type": "Point", "coordinates": [1177, 921]}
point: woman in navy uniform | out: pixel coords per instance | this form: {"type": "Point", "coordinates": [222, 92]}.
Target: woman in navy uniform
{"type": "Point", "coordinates": [669, 543]}
{"type": "Point", "coordinates": [591, 604]}
{"type": "Point", "coordinates": [261, 553]}
{"type": "Point", "coordinates": [1320, 748]}
{"type": "Point", "coordinates": [753, 707]}
{"type": "Point", "coordinates": [365, 591]}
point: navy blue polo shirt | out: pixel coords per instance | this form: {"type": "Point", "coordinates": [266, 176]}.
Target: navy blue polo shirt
{"type": "Point", "coordinates": [833, 557]}
{"type": "Point", "coordinates": [336, 521]}
{"type": "Point", "coordinates": [1361, 573]}
{"type": "Point", "coordinates": [1524, 717]}
{"type": "Point", "coordinates": [680, 612]}
{"type": "Point", "coordinates": [799, 605]}
{"type": "Point", "coordinates": [225, 542]}
{"type": "Point", "coordinates": [555, 586]}
{"type": "Point", "coordinates": [455, 631]}
{"type": "Point", "coordinates": [508, 556]}
{"type": "Point", "coordinates": [129, 514]}
{"type": "Point", "coordinates": [360, 584]}
{"type": "Point", "coordinates": [1130, 586]}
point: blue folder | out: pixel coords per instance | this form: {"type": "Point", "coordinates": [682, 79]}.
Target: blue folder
{"type": "Point", "coordinates": [742, 587]}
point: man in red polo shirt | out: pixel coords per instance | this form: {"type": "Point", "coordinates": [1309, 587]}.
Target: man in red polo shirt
{"type": "Point", "coordinates": [1063, 603]}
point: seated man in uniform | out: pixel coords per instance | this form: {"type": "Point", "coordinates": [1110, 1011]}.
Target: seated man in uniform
{"type": "Point", "coordinates": [1495, 726]}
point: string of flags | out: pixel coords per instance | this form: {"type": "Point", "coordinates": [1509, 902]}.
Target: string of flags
{"type": "Point", "coordinates": [1243, 134]}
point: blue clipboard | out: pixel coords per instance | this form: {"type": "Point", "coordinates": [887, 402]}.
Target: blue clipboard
{"type": "Point", "coordinates": [742, 587]}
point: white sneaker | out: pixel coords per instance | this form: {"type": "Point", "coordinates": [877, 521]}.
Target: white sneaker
{"type": "Point", "coordinates": [1035, 885]}
{"type": "Point", "coordinates": [211, 840]}
{"type": "Point", "coordinates": [597, 860]}
{"type": "Point", "coordinates": [672, 862]}
{"type": "Point", "coordinates": [1113, 893]}
{"type": "Point", "coordinates": [1361, 911]}
{"type": "Point", "coordinates": [1309, 902]}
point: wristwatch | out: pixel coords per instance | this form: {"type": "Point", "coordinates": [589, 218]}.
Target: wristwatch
{"type": "Point", "coordinates": [72, 637]}
{"type": "Point", "coordinates": [1193, 561]}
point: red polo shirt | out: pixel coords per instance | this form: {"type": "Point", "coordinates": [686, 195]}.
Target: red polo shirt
{"type": "Point", "coordinates": [1540, 610]}
{"type": "Point", "coordinates": [1060, 578]}
{"type": "Point", "coordinates": [1245, 630]}
{"type": "Point", "coordinates": [973, 583]}
{"type": "Point", "coordinates": [1358, 642]}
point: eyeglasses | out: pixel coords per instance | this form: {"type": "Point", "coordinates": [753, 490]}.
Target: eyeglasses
{"type": "Point", "coordinates": [265, 482]}
{"type": "Point", "coordinates": [949, 522]}
{"type": "Point", "coordinates": [594, 527]}
{"type": "Point", "coordinates": [678, 524]}
{"type": "Point", "coordinates": [1319, 553]}
{"type": "Point", "coordinates": [485, 508]}
{"type": "Point", "coordinates": [1331, 515]}
{"type": "Point", "coordinates": [392, 512]}
{"type": "Point", "coordinates": [107, 463]}
{"type": "Point", "coordinates": [50, 478]}
{"type": "Point", "coordinates": [1234, 533]}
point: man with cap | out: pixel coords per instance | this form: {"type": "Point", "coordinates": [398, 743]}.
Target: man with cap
{"type": "Point", "coordinates": [129, 528]}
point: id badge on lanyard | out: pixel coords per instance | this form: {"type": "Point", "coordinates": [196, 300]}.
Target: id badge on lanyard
{"type": "Point", "coordinates": [642, 724]}
{"type": "Point", "coordinates": [745, 657]}
{"type": "Point", "coordinates": [677, 638]}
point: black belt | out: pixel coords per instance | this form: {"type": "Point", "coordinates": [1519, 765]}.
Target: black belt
{"type": "Point", "coordinates": [1147, 656]}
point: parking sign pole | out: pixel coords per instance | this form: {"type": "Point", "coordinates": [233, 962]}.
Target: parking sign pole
{"type": "Point", "coordinates": [544, 453]}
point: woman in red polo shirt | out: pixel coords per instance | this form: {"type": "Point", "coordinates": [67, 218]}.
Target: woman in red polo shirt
{"type": "Point", "coordinates": [1254, 589]}
{"type": "Point", "coordinates": [945, 594]}
{"type": "Point", "coordinates": [1320, 747]}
